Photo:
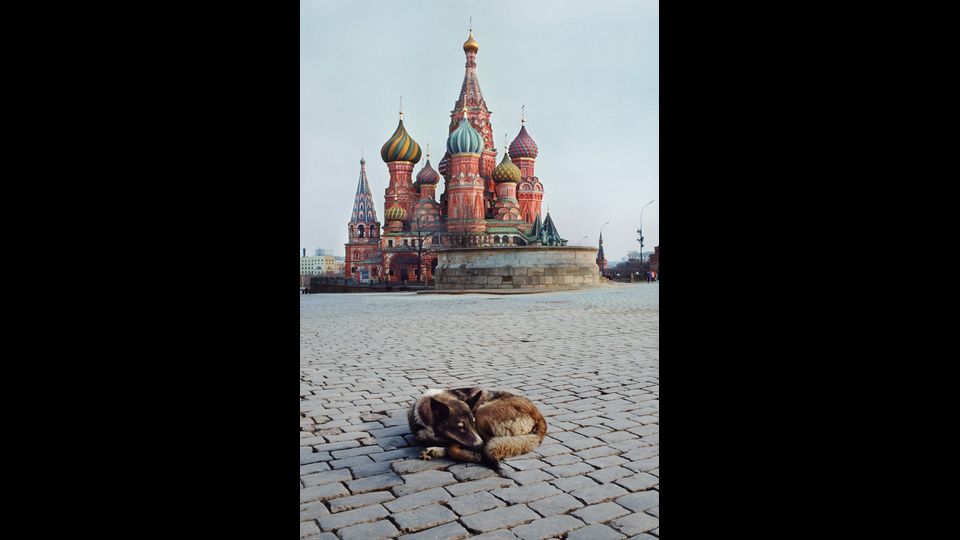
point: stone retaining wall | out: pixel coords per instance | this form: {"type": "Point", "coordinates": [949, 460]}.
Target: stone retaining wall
{"type": "Point", "coordinates": [517, 267]}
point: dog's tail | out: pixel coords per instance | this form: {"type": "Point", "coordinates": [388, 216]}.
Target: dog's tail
{"type": "Point", "coordinates": [499, 448]}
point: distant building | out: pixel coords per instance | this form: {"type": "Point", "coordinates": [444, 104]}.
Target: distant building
{"type": "Point", "coordinates": [601, 259]}
{"type": "Point", "coordinates": [655, 260]}
{"type": "Point", "coordinates": [317, 265]}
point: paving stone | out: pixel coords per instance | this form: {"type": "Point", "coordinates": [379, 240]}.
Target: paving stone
{"type": "Point", "coordinates": [473, 503]}
{"type": "Point", "coordinates": [655, 511]}
{"type": "Point", "coordinates": [358, 451]}
{"type": "Point", "coordinates": [352, 517]}
{"type": "Point", "coordinates": [470, 471]}
{"type": "Point", "coordinates": [500, 534]}
{"type": "Point", "coordinates": [616, 436]}
{"type": "Point", "coordinates": [422, 518]}
{"type": "Point", "coordinates": [562, 459]}
{"type": "Point", "coordinates": [640, 501]}
{"type": "Point", "coordinates": [329, 447]}
{"type": "Point", "coordinates": [420, 498]}
{"type": "Point", "coordinates": [314, 468]}
{"type": "Point", "coordinates": [552, 450]}
{"type": "Point", "coordinates": [409, 466]}
{"type": "Point", "coordinates": [644, 465]}
{"type": "Point", "coordinates": [321, 536]}
{"type": "Point", "coordinates": [558, 504]}
{"type": "Point", "coordinates": [326, 477]}
{"type": "Point", "coordinates": [323, 493]}
{"type": "Point", "coordinates": [377, 530]}
{"type": "Point", "coordinates": [597, 452]}
{"type": "Point", "coordinates": [402, 453]}
{"type": "Point", "coordinates": [532, 476]}
{"type": "Point", "coordinates": [314, 457]}
{"type": "Point", "coordinates": [609, 474]}
{"type": "Point", "coordinates": [483, 484]}
{"type": "Point", "coordinates": [350, 462]}
{"type": "Point", "coordinates": [595, 532]}
{"type": "Point", "coordinates": [582, 444]}
{"type": "Point", "coordinates": [607, 461]}
{"type": "Point", "coordinates": [423, 480]}
{"type": "Point", "coordinates": [499, 518]}
{"type": "Point", "coordinates": [599, 513]}
{"type": "Point", "coordinates": [450, 531]}
{"type": "Point", "coordinates": [313, 510]}
{"type": "Point", "coordinates": [308, 528]}
{"type": "Point", "coordinates": [371, 469]}
{"type": "Point", "coordinates": [547, 527]}
{"type": "Point", "coordinates": [575, 469]}
{"type": "Point", "coordinates": [523, 494]}
{"type": "Point", "coordinates": [374, 483]}
{"type": "Point", "coordinates": [573, 483]}
{"type": "Point", "coordinates": [642, 453]}
{"type": "Point", "coordinates": [635, 523]}
{"type": "Point", "coordinates": [602, 492]}
{"type": "Point", "coordinates": [524, 464]}
{"type": "Point", "coordinates": [356, 501]}
{"type": "Point", "coordinates": [639, 481]}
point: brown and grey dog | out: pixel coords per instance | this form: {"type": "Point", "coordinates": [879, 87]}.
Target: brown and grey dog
{"type": "Point", "coordinates": [476, 425]}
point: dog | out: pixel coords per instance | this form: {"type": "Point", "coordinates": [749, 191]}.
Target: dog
{"type": "Point", "coordinates": [476, 425]}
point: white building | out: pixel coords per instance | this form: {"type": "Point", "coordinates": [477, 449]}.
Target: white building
{"type": "Point", "coordinates": [320, 265]}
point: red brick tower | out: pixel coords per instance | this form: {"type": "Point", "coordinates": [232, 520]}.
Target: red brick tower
{"type": "Point", "coordinates": [401, 153]}
{"type": "Point", "coordinates": [466, 187]}
{"type": "Point", "coordinates": [523, 152]}
{"type": "Point", "coordinates": [362, 260]}
{"type": "Point", "coordinates": [472, 104]}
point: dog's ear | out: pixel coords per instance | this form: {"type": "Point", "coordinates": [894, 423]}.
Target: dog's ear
{"type": "Point", "coordinates": [439, 410]}
{"type": "Point", "coordinates": [474, 399]}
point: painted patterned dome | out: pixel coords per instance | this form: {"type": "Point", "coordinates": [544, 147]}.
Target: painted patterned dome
{"type": "Point", "coordinates": [395, 212]}
{"type": "Point", "coordinates": [400, 147]}
{"type": "Point", "coordinates": [427, 175]}
{"type": "Point", "coordinates": [471, 44]}
{"type": "Point", "coordinates": [464, 139]}
{"type": "Point", "coordinates": [444, 166]}
{"type": "Point", "coordinates": [523, 145]}
{"type": "Point", "coordinates": [506, 171]}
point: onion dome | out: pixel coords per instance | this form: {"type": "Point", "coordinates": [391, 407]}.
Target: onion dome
{"type": "Point", "coordinates": [395, 212]}
{"type": "Point", "coordinates": [523, 145]}
{"type": "Point", "coordinates": [464, 139]}
{"type": "Point", "coordinates": [427, 176]}
{"type": "Point", "coordinates": [471, 44]}
{"type": "Point", "coordinates": [506, 171]}
{"type": "Point", "coordinates": [400, 146]}
{"type": "Point", "coordinates": [444, 166]}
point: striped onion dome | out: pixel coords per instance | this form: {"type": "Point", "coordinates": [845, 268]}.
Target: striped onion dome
{"type": "Point", "coordinates": [464, 139]}
{"type": "Point", "coordinates": [506, 171]}
{"type": "Point", "coordinates": [523, 145]}
{"type": "Point", "coordinates": [395, 212]}
{"type": "Point", "coordinates": [400, 147]}
{"type": "Point", "coordinates": [427, 175]}
{"type": "Point", "coordinates": [444, 166]}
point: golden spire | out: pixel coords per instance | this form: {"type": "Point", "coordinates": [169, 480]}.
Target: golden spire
{"type": "Point", "coordinates": [505, 145]}
{"type": "Point", "coordinates": [401, 108]}
{"type": "Point", "coordinates": [523, 117]}
{"type": "Point", "coordinates": [471, 44]}
{"type": "Point", "coordinates": [428, 151]}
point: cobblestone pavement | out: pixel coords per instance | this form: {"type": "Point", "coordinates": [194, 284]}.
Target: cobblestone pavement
{"type": "Point", "coordinates": [589, 360]}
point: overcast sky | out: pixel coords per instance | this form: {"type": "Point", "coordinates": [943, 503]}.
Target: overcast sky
{"type": "Point", "coordinates": [588, 73]}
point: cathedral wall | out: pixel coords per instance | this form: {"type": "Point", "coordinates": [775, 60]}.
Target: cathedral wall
{"type": "Point", "coordinates": [526, 267]}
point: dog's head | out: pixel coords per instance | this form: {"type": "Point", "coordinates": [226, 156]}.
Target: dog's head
{"type": "Point", "coordinates": [453, 420]}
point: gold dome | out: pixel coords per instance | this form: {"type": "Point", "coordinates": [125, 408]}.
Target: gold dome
{"type": "Point", "coordinates": [471, 44]}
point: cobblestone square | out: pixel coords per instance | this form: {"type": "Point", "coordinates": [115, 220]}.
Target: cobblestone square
{"type": "Point", "coordinates": [588, 359]}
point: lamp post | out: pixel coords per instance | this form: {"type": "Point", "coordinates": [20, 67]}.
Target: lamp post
{"type": "Point", "coordinates": [582, 239]}
{"type": "Point", "coordinates": [600, 259]}
{"type": "Point", "coordinates": [640, 232]}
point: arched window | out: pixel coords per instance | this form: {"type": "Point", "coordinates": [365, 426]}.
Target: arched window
{"type": "Point", "coordinates": [389, 243]}
{"type": "Point", "coordinates": [496, 239]}
{"type": "Point", "coordinates": [361, 231]}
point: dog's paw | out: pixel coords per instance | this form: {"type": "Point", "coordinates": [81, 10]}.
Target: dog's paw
{"type": "Point", "coordinates": [432, 452]}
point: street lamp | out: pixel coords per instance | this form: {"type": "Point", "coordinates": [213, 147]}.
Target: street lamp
{"type": "Point", "coordinates": [640, 232]}
{"type": "Point", "coordinates": [599, 258]}
{"type": "Point", "coordinates": [582, 239]}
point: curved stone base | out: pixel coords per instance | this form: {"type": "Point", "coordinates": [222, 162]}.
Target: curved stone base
{"type": "Point", "coordinates": [517, 267]}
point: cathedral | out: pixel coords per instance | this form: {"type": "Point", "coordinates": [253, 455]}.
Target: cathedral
{"type": "Point", "coordinates": [483, 204]}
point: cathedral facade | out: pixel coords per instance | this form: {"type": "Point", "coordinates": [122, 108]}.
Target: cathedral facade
{"type": "Point", "coordinates": [483, 203]}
